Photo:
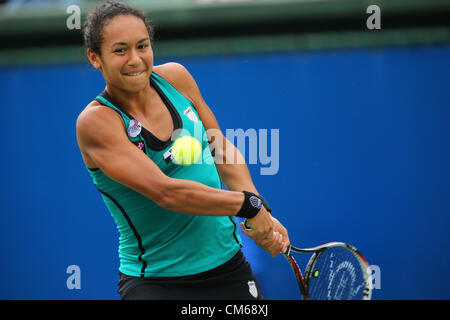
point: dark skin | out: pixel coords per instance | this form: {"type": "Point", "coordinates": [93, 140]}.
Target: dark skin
{"type": "Point", "coordinates": [126, 62]}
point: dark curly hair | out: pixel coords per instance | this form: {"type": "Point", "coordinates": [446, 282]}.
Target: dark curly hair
{"type": "Point", "coordinates": [96, 20]}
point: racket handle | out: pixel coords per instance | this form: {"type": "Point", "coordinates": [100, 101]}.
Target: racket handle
{"type": "Point", "coordinates": [246, 225]}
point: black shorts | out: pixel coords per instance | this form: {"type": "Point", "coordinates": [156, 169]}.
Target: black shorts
{"type": "Point", "coordinates": [233, 280]}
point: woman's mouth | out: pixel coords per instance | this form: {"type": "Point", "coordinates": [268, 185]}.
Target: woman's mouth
{"type": "Point", "coordinates": [134, 74]}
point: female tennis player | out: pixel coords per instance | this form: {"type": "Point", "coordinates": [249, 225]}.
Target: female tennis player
{"type": "Point", "coordinates": [178, 237]}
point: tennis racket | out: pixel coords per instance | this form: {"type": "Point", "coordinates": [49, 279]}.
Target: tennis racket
{"type": "Point", "coordinates": [336, 271]}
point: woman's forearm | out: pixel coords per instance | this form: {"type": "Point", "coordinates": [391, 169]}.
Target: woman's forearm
{"type": "Point", "coordinates": [192, 197]}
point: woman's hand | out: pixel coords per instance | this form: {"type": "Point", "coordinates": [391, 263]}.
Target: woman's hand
{"type": "Point", "coordinates": [274, 241]}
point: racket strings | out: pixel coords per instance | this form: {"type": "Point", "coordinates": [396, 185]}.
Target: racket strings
{"type": "Point", "coordinates": [336, 275]}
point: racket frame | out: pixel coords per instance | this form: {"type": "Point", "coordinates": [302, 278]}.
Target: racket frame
{"type": "Point", "coordinates": [303, 281]}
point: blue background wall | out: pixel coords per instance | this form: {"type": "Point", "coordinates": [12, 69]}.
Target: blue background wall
{"type": "Point", "coordinates": [364, 158]}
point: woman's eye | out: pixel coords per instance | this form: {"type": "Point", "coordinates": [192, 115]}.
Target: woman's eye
{"type": "Point", "coordinates": [119, 50]}
{"type": "Point", "coordinates": [143, 46]}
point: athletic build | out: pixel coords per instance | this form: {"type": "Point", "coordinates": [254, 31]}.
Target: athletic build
{"type": "Point", "coordinates": [177, 231]}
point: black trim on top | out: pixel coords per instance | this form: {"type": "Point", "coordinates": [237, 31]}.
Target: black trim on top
{"type": "Point", "coordinates": [234, 232]}
{"type": "Point", "coordinates": [133, 228]}
{"type": "Point", "coordinates": [150, 139]}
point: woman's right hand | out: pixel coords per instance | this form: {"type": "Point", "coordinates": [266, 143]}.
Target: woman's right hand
{"type": "Point", "coordinates": [261, 231]}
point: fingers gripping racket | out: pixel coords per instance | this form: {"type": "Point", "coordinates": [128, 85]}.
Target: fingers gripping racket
{"type": "Point", "coordinates": [336, 271]}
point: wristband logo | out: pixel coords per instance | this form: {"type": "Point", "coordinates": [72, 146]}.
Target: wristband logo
{"type": "Point", "coordinates": [256, 202]}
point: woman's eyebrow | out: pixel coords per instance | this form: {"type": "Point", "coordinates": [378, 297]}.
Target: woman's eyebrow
{"type": "Point", "coordinates": [121, 43]}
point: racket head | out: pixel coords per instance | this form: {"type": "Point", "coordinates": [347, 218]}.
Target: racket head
{"type": "Point", "coordinates": [338, 271]}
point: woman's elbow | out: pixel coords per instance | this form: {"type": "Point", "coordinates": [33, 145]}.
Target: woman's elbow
{"type": "Point", "coordinates": [163, 195]}
{"type": "Point", "coordinates": [165, 201]}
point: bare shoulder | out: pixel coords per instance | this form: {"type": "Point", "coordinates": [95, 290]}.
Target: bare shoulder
{"type": "Point", "coordinates": [96, 121]}
{"type": "Point", "coordinates": [180, 78]}
{"type": "Point", "coordinates": [172, 71]}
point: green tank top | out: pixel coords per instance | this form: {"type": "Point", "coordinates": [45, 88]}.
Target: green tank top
{"type": "Point", "coordinates": [156, 242]}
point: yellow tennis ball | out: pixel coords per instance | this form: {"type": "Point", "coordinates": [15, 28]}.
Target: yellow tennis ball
{"type": "Point", "coordinates": [186, 150]}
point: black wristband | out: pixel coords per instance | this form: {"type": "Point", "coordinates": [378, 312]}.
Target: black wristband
{"type": "Point", "coordinates": [265, 204]}
{"type": "Point", "coordinates": [251, 205]}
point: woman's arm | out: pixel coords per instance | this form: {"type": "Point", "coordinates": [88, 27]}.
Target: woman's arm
{"type": "Point", "coordinates": [102, 137]}
{"type": "Point", "coordinates": [230, 163]}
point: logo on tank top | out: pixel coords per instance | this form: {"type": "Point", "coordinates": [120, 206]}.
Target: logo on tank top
{"type": "Point", "coordinates": [168, 156]}
{"type": "Point", "coordinates": [140, 145]}
{"type": "Point", "coordinates": [188, 112]}
{"type": "Point", "coordinates": [134, 128]}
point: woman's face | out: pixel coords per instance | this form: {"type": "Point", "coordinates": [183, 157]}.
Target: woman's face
{"type": "Point", "coordinates": [126, 58]}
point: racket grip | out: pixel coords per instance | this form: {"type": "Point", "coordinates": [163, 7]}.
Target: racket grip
{"type": "Point", "coordinates": [247, 227]}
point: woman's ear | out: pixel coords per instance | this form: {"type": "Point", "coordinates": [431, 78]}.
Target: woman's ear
{"type": "Point", "coordinates": [93, 58]}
